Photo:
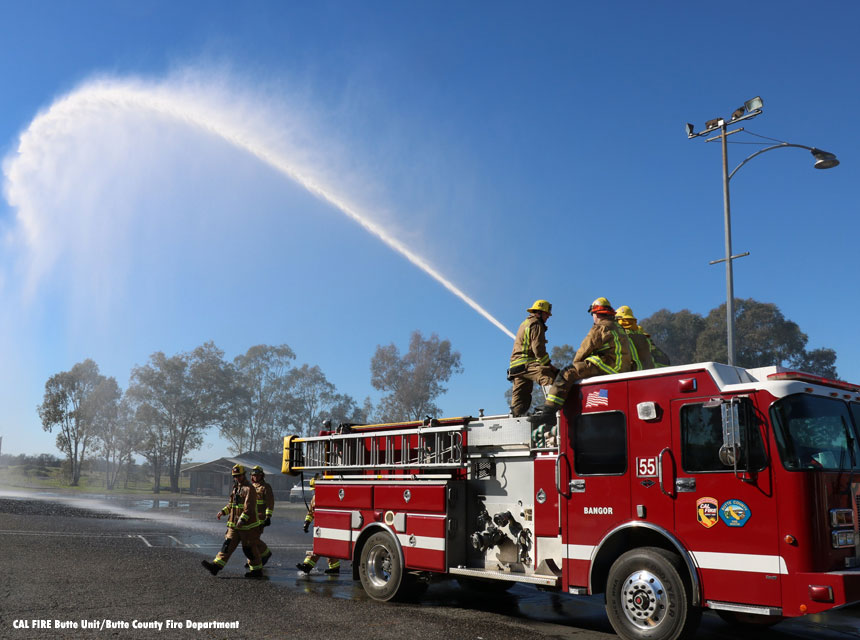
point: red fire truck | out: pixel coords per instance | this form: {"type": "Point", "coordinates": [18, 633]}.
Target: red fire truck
{"type": "Point", "coordinates": [671, 491]}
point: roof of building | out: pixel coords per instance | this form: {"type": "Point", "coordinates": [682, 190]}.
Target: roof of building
{"type": "Point", "coordinates": [270, 462]}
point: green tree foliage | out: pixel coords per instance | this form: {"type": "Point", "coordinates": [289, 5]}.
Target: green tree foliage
{"type": "Point", "coordinates": [415, 380]}
{"type": "Point", "coordinates": [115, 438]}
{"type": "Point", "coordinates": [311, 400]}
{"type": "Point", "coordinates": [258, 397]}
{"type": "Point", "coordinates": [676, 333]}
{"type": "Point", "coordinates": [70, 407]}
{"type": "Point", "coordinates": [763, 337]}
{"type": "Point", "coordinates": [185, 395]}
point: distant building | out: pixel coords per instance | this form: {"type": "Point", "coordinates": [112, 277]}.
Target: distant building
{"type": "Point", "coordinates": [214, 478]}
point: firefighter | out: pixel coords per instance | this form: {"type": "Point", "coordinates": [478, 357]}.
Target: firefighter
{"type": "Point", "coordinates": [242, 526]}
{"type": "Point", "coordinates": [529, 360]}
{"type": "Point", "coordinates": [604, 350]}
{"type": "Point", "coordinates": [644, 353]}
{"type": "Point", "coordinates": [265, 507]}
{"type": "Point", "coordinates": [311, 560]}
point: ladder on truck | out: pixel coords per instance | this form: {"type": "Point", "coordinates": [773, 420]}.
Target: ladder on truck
{"type": "Point", "coordinates": [431, 444]}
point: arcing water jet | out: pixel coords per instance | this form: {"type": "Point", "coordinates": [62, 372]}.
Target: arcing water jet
{"type": "Point", "coordinates": [190, 109]}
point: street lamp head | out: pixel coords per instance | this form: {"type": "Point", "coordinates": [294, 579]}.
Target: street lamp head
{"type": "Point", "coordinates": [689, 130]}
{"type": "Point", "coordinates": [737, 113]}
{"type": "Point", "coordinates": [824, 159]}
{"type": "Point", "coordinates": [753, 104]}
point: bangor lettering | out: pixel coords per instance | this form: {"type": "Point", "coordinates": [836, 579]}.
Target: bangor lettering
{"type": "Point", "coordinates": [597, 511]}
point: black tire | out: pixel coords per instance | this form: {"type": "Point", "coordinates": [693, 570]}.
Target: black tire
{"type": "Point", "coordinates": [482, 585]}
{"type": "Point", "coordinates": [748, 620]}
{"type": "Point", "coordinates": [647, 597]}
{"type": "Point", "coordinates": [380, 568]}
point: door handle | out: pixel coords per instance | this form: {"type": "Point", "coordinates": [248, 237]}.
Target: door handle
{"type": "Point", "coordinates": [558, 475]}
{"type": "Point", "coordinates": [577, 486]}
{"type": "Point", "coordinates": [685, 485]}
{"type": "Point", "coordinates": [660, 470]}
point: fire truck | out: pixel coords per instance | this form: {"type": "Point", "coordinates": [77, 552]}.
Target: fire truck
{"type": "Point", "coordinates": [669, 490]}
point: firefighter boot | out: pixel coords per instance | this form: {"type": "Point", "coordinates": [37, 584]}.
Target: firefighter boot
{"type": "Point", "coordinates": [544, 415]}
{"type": "Point", "coordinates": [333, 569]}
{"type": "Point", "coordinates": [265, 558]}
{"type": "Point", "coordinates": [304, 566]}
{"type": "Point", "coordinates": [254, 573]}
{"type": "Point", "coordinates": [211, 567]}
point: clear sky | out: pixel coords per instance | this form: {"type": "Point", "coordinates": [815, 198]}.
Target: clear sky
{"type": "Point", "coordinates": [177, 172]}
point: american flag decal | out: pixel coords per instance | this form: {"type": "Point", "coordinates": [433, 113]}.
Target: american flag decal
{"type": "Point", "coordinates": [597, 398]}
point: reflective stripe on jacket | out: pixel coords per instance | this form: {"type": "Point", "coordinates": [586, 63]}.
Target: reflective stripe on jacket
{"type": "Point", "coordinates": [530, 343]}
{"type": "Point", "coordinates": [606, 346]}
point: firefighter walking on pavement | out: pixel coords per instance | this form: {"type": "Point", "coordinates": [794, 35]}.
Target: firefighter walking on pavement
{"type": "Point", "coordinates": [243, 526]}
{"type": "Point", "coordinates": [604, 350]}
{"type": "Point", "coordinates": [265, 508]}
{"type": "Point", "coordinates": [311, 560]}
{"type": "Point", "coordinates": [530, 362]}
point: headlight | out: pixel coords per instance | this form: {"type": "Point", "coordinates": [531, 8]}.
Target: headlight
{"type": "Point", "coordinates": [841, 518]}
{"type": "Point", "coordinates": [842, 538]}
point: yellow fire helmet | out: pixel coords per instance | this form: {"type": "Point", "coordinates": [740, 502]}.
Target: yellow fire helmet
{"type": "Point", "coordinates": [313, 482]}
{"type": "Point", "coordinates": [258, 470]}
{"type": "Point", "coordinates": [624, 312]}
{"type": "Point", "coordinates": [541, 305]}
{"type": "Point", "coordinates": [238, 470]}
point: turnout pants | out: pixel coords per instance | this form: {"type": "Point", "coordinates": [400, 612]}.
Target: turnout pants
{"type": "Point", "coordinates": [579, 370]}
{"type": "Point", "coordinates": [521, 394]}
{"type": "Point", "coordinates": [250, 539]}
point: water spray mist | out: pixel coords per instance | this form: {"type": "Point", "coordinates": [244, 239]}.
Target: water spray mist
{"type": "Point", "coordinates": [197, 112]}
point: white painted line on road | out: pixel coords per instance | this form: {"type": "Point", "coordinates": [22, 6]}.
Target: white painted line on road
{"type": "Point", "coordinates": [145, 541]}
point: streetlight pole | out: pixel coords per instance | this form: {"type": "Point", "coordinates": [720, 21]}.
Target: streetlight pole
{"type": "Point", "coordinates": [730, 283]}
{"type": "Point", "coordinates": [750, 109]}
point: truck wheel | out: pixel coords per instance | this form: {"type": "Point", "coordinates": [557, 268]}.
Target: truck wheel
{"type": "Point", "coordinates": [380, 569]}
{"type": "Point", "coordinates": [748, 620]}
{"type": "Point", "coordinates": [646, 597]}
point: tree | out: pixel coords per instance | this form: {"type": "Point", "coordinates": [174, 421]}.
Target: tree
{"type": "Point", "coordinates": [186, 394]}
{"type": "Point", "coordinates": [763, 337]}
{"type": "Point", "coordinates": [67, 407]}
{"type": "Point", "coordinates": [257, 399]}
{"type": "Point", "coordinates": [114, 434]}
{"type": "Point", "coordinates": [413, 381]}
{"type": "Point", "coordinates": [676, 333]}
{"type": "Point", "coordinates": [152, 439]}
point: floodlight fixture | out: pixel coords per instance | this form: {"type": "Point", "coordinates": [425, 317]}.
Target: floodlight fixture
{"type": "Point", "coordinates": [753, 104]}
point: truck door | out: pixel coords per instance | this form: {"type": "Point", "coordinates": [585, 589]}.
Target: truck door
{"type": "Point", "coordinates": [726, 516]}
{"type": "Point", "coordinates": [598, 497]}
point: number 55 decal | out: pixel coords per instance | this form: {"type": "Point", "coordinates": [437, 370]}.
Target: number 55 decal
{"type": "Point", "coordinates": [646, 467]}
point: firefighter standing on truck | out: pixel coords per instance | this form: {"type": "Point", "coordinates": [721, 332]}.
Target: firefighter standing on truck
{"type": "Point", "coordinates": [529, 359]}
{"type": "Point", "coordinates": [242, 526]}
{"type": "Point", "coordinates": [643, 351]}
{"type": "Point", "coordinates": [311, 560]}
{"type": "Point", "coordinates": [604, 350]}
{"type": "Point", "coordinates": [265, 507]}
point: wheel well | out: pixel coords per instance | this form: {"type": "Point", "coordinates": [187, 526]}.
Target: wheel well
{"type": "Point", "coordinates": [629, 538]}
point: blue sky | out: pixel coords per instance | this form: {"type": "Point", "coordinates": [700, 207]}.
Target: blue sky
{"type": "Point", "coordinates": [522, 150]}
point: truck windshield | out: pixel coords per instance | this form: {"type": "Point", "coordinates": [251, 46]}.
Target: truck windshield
{"type": "Point", "coordinates": [815, 433]}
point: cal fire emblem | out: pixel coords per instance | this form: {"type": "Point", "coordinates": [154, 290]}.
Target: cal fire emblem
{"type": "Point", "coordinates": [707, 512]}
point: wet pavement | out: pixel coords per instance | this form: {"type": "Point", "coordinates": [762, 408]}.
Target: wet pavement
{"type": "Point", "coordinates": [189, 525]}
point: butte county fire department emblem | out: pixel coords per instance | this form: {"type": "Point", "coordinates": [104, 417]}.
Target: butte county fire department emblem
{"type": "Point", "coordinates": [706, 512]}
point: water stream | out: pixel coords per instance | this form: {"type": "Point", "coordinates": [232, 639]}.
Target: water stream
{"type": "Point", "coordinates": [112, 96]}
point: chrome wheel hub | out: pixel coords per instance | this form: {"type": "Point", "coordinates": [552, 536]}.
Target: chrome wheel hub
{"type": "Point", "coordinates": [645, 600]}
{"type": "Point", "coordinates": [379, 566]}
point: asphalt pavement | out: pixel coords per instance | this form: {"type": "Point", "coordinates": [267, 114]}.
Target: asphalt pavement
{"type": "Point", "coordinates": [130, 568]}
